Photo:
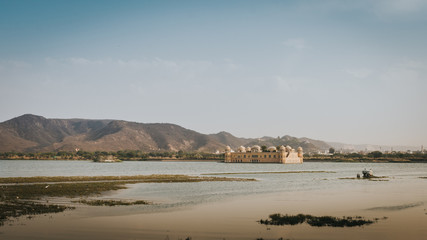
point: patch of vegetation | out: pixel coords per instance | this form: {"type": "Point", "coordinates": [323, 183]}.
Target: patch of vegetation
{"type": "Point", "coordinates": [329, 221]}
{"type": "Point", "coordinates": [126, 155]}
{"type": "Point", "coordinates": [423, 177]}
{"type": "Point", "coordinates": [277, 239]}
{"type": "Point", "coordinates": [374, 156]}
{"type": "Point", "coordinates": [14, 209]}
{"type": "Point", "coordinates": [137, 155]}
{"type": "Point", "coordinates": [32, 188]}
{"type": "Point", "coordinates": [125, 179]}
{"type": "Point", "coordinates": [35, 191]}
{"type": "Point", "coordinates": [111, 203]}
{"type": "Point", "coordinates": [16, 200]}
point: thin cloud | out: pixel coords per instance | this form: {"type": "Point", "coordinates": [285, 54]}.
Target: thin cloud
{"type": "Point", "coordinates": [360, 73]}
{"type": "Point", "coordinates": [401, 6]}
{"type": "Point", "coordinates": [297, 43]}
{"type": "Point", "coordinates": [405, 72]}
{"type": "Point", "coordinates": [284, 84]}
{"type": "Point", "coordinates": [399, 10]}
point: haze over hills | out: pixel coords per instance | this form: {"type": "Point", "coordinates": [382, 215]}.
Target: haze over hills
{"type": "Point", "coordinates": [31, 133]}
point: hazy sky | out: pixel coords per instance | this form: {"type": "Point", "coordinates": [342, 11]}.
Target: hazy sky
{"type": "Point", "coordinates": [347, 71]}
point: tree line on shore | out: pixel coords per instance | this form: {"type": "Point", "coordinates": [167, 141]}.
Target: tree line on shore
{"type": "Point", "coordinates": [127, 155]}
{"type": "Point", "coordinates": [370, 156]}
{"type": "Point", "coordinates": [137, 155]}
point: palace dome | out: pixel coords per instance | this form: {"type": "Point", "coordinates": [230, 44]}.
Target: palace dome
{"type": "Point", "coordinates": [241, 149]}
{"type": "Point", "coordinates": [228, 149]}
{"type": "Point", "coordinates": [256, 148]}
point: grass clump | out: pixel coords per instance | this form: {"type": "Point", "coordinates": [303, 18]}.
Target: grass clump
{"type": "Point", "coordinates": [35, 191]}
{"type": "Point", "coordinates": [111, 203]}
{"type": "Point", "coordinates": [338, 222]}
{"type": "Point", "coordinates": [277, 239]}
{"type": "Point", "coordinates": [323, 221]}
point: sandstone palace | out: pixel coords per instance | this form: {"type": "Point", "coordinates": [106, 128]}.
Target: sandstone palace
{"type": "Point", "coordinates": [255, 155]}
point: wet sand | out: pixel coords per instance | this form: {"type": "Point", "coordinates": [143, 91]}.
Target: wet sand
{"type": "Point", "coordinates": [404, 204]}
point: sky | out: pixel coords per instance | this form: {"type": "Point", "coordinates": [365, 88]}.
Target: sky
{"type": "Point", "coordinates": [342, 71]}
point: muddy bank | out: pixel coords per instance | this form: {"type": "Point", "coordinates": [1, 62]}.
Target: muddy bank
{"type": "Point", "coordinates": [23, 196]}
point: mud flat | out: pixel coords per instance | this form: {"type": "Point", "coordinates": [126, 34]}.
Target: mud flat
{"type": "Point", "coordinates": [23, 196]}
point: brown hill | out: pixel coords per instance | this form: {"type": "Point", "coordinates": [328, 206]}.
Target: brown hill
{"type": "Point", "coordinates": [122, 135]}
{"type": "Point", "coordinates": [229, 140]}
{"type": "Point", "coordinates": [31, 133]}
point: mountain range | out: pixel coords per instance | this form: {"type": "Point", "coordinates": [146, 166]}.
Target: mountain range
{"type": "Point", "coordinates": [32, 133]}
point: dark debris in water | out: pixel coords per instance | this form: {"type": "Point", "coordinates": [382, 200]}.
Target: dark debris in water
{"type": "Point", "coordinates": [323, 221]}
{"type": "Point", "coordinates": [372, 178]}
{"type": "Point", "coordinates": [111, 203]}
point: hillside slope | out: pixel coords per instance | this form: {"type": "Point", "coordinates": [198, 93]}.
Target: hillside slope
{"type": "Point", "coordinates": [31, 133]}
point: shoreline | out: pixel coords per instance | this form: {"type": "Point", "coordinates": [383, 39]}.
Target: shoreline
{"type": "Point", "coordinates": [27, 196]}
{"type": "Point", "coordinates": [226, 210]}
{"type": "Point", "coordinates": [338, 160]}
{"type": "Point", "coordinates": [230, 219]}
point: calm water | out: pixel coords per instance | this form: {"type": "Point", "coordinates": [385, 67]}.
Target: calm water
{"type": "Point", "coordinates": [229, 209]}
{"type": "Point", "coordinates": [28, 168]}
{"type": "Point", "coordinates": [188, 193]}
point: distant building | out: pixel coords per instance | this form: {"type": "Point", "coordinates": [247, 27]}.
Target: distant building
{"type": "Point", "coordinates": [255, 155]}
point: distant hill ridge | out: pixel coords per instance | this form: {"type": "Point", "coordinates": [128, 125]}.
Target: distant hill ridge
{"type": "Point", "coordinates": [32, 133]}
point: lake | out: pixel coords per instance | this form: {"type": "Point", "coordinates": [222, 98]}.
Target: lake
{"type": "Point", "coordinates": [230, 210]}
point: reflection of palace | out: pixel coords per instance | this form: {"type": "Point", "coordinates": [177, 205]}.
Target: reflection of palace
{"type": "Point", "coordinates": [255, 155]}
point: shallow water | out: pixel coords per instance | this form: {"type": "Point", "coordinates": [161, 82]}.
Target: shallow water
{"type": "Point", "coordinates": [217, 210]}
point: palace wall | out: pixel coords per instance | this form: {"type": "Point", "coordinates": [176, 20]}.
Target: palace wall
{"type": "Point", "coordinates": [284, 155]}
